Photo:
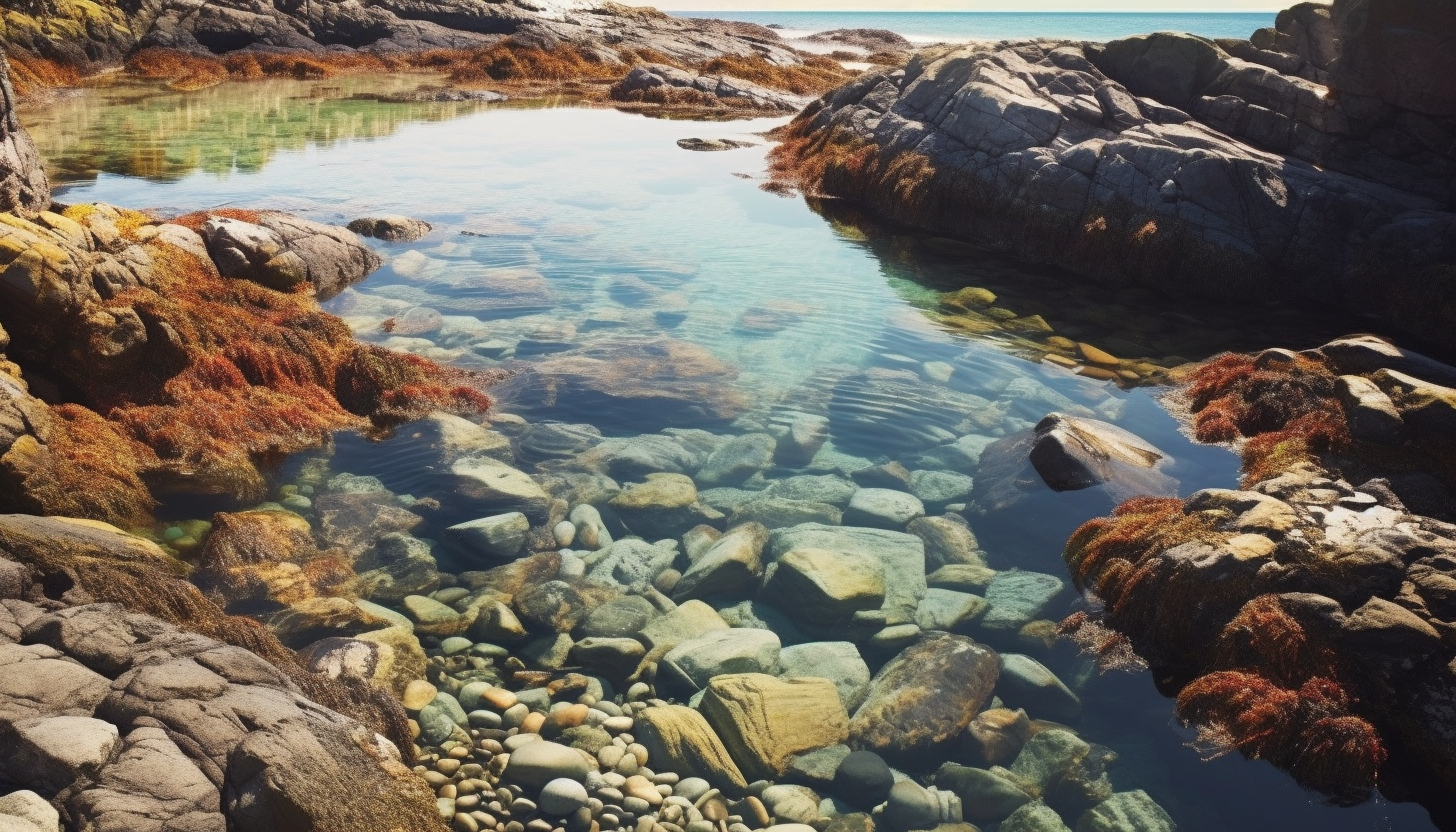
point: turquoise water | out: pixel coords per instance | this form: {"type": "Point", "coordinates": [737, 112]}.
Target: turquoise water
{"type": "Point", "coordinates": [959, 26]}
{"type": "Point", "coordinates": [610, 237]}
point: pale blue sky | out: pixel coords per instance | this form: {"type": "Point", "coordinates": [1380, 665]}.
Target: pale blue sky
{"type": "Point", "coordinates": [977, 5]}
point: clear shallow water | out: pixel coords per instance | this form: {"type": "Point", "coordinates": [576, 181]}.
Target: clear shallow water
{"type": "Point", "coordinates": [611, 234]}
{"type": "Point", "coordinates": [931, 27]}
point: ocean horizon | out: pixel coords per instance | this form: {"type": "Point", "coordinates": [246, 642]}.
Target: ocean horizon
{"type": "Point", "coordinates": [936, 26]}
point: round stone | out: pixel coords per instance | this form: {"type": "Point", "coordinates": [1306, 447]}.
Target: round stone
{"type": "Point", "coordinates": [910, 806]}
{"type": "Point", "coordinates": [455, 645]}
{"type": "Point", "coordinates": [418, 694]}
{"type": "Point", "coordinates": [562, 796]}
{"type": "Point", "coordinates": [863, 779]}
{"type": "Point", "coordinates": [538, 763]}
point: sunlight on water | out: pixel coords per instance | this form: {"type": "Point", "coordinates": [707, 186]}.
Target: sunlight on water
{"type": "Point", "coordinates": [581, 235]}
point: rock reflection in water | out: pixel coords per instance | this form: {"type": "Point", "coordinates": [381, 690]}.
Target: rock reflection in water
{"type": "Point", "coordinates": [694, 354]}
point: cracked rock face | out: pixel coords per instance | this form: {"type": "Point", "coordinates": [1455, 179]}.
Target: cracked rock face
{"type": "Point", "coordinates": [123, 722]}
{"type": "Point", "coordinates": [1162, 160]}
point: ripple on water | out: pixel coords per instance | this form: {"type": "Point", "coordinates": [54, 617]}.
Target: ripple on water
{"type": "Point", "coordinates": [636, 290]}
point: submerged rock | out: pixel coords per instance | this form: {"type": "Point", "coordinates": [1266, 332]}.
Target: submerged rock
{"type": "Point", "coordinates": [925, 697]}
{"type": "Point", "coordinates": [391, 229]}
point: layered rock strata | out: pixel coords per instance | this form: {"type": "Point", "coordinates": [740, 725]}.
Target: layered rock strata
{"type": "Point", "coordinates": [1170, 161]}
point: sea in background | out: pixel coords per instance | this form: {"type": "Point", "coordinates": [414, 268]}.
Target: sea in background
{"type": "Point", "coordinates": [935, 27]}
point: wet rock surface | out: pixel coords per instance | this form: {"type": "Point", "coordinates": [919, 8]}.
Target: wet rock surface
{"type": "Point", "coordinates": [1169, 161]}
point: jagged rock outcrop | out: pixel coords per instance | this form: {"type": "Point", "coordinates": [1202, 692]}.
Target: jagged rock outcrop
{"type": "Point", "coordinates": [127, 723]}
{"type": "Point", "coordinates": [23, 185]}
{"type": "Point", "coordinates": [1167, 161]}
{"type": "Point", "coordinates": [1323, 589]}
{"type": "Point", "coordinates": [71, 33]}
{"type": "Point", "coordinates": [659, 83]}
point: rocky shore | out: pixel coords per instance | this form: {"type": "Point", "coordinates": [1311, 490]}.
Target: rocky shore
{"type": "Point", "coordinates": [1304, 618]}
{"type": "Point", "coordinates": [557, 630]}
{"type": "Point", "coordinates": [1313, 162]}
{"type": "Point", "coordinates": [639, 58]}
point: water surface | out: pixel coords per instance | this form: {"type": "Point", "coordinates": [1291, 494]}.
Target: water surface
{"type": "Point", "coordinates": [932, 27]}
{"type": "Point", "coordinates": [615, 235]}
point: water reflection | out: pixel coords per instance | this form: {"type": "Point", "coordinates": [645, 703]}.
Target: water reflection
{"type": "Point", "coordinates": [142, 128]}
{"type": "Point", "coordinates": [564, 236]}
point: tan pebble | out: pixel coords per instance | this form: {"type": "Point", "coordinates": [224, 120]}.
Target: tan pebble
{"type": "Point", "coordinates": [1059, 360]}
{"type": "Point", "coordinates": [492, 745]}
{"type": "Point", "coordinates": [760, 817]}
{"type": "Point", "coordinates": [448, 766]}
{"type": "Point", "coordinates": [640, 787]}
{"type": "Point", "coordinates": [533, 723]}
{"type": "Point", "coordinates": [499, 698]}
{"type": "Point", "coordinates": [460, 752]}
{"type": "Point", "coordinates": [414, 729]}
{"type": "Point", "coordinates": [639, 751]}
{"type": "Point", "coordinates": [448, 790]}
{"type": "Point", "coordinates": [485, 820]}
{"type": "Point", "coordinates": [418, 694]}
{"type": "Point", "coordinates": [1097, 356]}
{"type": "Point", "coordinates": [434, 779]}
{"type": "Point", "coordinates": [618, 724]}
{"type": "Point", "coordinates": [571, 716]}
{"type": "Point", "coordinates": [1099, 373]}
{"type": "Point", "coordinates": [464, 823]}
{"type": "Point", "coordinates": [610, 755]}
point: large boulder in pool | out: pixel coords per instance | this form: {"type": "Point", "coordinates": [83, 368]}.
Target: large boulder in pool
{"type": "Point", "coordinates": [282, 251]}
{"type": "Point", "coordinates": [925, 697]}
{"type": "Point", "coordinates": [636, 385]}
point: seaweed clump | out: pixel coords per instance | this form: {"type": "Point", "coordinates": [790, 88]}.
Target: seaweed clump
{"type": "Point", "coordinates": [1287, 411]}
{"type": "Point", "coordinates": [218, 380]}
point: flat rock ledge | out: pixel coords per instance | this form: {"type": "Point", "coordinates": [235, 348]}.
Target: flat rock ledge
{"type": "Point", "coordinates": [1168, 160]}
{"type": "Point", "coordinates": [124, 722]}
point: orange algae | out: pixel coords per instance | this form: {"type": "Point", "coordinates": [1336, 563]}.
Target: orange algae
{"type": "Point", "coordinates": [1289, 412]}
{"type": "Point", "coordinates": [232, 376]}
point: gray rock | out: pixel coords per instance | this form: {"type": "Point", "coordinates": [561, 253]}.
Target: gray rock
{"type": "Point", "coordinates": [441, 719]}
{"type": "Point", "coordinates": [938, 489]}
{"type": "Point", "coordinates": [825, 587]}
{"type": "Point", "coordinates": [562, 796]}
{"type": "Point", "coordinates": [391, 229]}
{"type": "Point", "coordinates": [630, 562]}
{"type": "Point", "coordinates": [54, 752]}
{"type": "Point", "coordinates": [814, 488]}
{"type": "Point", "coordinates": [500, 537]}
{"type": "Point", "coordinates": [731, 566]}
{"type": "Point", "coordinates": [623, 617]}
{"type": "Point", "coordinates": [1132, 811]}
{"type": "Point", "coordinates": [23, 186]}
{"type": "Point", "coordinates": [653, 82]}
{"type": "Point", "coordinates": [489, 486]}
{"type": "Point", "coordinates": [719, 652]}
{"type": "Point", "coordinates": [1034, 817]}
{"type": "Point", "coordinates": [27, 811]}
{"type": "Point", "coordinates": [1171, 129]}
{"type": "Point", "coordinates": [1026, 683]}
{"type": "Point", "coordinates": [737, 459]}
{"type": "Point", "coordinates": [909, 806]}
{"type": "Point", "coordinates": [1372, 415]}
{"type": "Point", "coordinates": [985, 797]}
{"type": "Point", "coordinates": [781, 513]}
{"type": "Point", "coordinates": [901, 556]}
{"type": "Point", "coordinates": [881, 508]}
{"type": "Point", "coordinates": [948, 540]}
{"type": "Point", "coordinates": [538, 763]}
{"type": "Point", "coordinates": [1018, 597]}
{"type": "Point", "coordinates": [666, 505]}
{"type": "Point", "coordinates": [837, 661]}
{"type": "Point", "coordinates": [948, 609]}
